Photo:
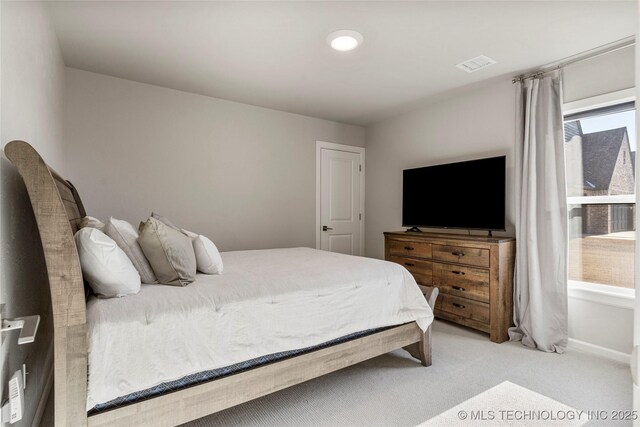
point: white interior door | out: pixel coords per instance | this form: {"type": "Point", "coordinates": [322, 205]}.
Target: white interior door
{"type": "Point", "coordinates": [341, 201]}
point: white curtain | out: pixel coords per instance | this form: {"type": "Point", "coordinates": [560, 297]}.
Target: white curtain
{"type": "Point", "coordinates": [540, 294]}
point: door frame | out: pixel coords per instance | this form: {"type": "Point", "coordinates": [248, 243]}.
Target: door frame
{"type": "Point", "coordinates": [320, 145]}
{"type": "Point", "coordinates": [635, 353]}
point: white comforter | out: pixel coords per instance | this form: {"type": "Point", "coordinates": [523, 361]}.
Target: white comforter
{"type": "Point", "coordinates": [266, 301]}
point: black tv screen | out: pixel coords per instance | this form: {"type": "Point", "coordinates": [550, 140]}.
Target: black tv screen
{"type": "Point", "coordinates": [468, 195]}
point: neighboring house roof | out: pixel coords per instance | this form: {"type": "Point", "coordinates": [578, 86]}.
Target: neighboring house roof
{"type": "Point", "coordinates": [572, 129]}
{"type": "Point", "coordinates": [633, 161]}
{"type": "Point", "coordinates": [600, 151]}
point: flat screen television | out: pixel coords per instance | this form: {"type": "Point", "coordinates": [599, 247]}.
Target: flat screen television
{"type": "Point", "coordinates": [466, 195]}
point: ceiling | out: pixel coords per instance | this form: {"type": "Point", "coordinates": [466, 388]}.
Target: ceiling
{"type": "Point", "coordinates": [275, 54]}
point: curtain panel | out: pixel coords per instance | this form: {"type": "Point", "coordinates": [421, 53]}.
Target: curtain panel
{"type": "Point", "coordinates": [540, 294]}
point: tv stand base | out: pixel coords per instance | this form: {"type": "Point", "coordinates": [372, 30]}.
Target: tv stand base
{"type": "Point", "coordinates": [414, 230]}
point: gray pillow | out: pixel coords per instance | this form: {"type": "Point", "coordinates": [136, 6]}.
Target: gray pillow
{"type": "Point", "coordinates": [89, 221]}
{"type": "Point", "coordinates": [169, 252]}
{"type": "Point", "coordinates": [164, 220]}
{"type": "Point", "coordinates": [126, 238]}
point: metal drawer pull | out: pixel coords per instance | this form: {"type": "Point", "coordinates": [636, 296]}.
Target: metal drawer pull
{"type": "Point", "coordinates": [458, 288]}
{"type": "Point", "coordinates": [409, 264]}
{"type": "Point", "coordinates": [462, 273]}
{"type": "Point", "coordinates": [408, 248]}
{"type": "Point", "coordinates": [457, 253]}
{"type": "Point", "coordinates": [458, 305]}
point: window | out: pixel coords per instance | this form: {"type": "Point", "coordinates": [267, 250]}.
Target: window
{"type": "Point", "coordinates": [601, 194]}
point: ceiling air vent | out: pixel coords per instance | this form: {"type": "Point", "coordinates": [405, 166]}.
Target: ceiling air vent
{"type": "Point", "coordinates": [476, 63]}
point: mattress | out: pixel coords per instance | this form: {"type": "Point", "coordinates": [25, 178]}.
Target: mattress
{"type": "Point", "coordinates": [214, 374]}
{"type": "Point", "coordinates": [266, 302]}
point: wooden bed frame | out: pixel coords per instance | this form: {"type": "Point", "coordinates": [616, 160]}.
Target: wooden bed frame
{"type": "Point", "coordinates": [58, 210]}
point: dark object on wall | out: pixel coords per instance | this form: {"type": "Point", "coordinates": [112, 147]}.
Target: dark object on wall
{"type": "Point", "coordinates": [467, 195]}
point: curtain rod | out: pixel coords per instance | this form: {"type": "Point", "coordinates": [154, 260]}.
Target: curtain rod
{"type": "Point", "coordinates": [584, 56]}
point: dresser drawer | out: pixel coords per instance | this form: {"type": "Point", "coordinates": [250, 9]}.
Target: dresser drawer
{"type": "Point", "coordinates": [462, 307]}
{"type": "Point", "coordinates": [414, 249]}
{"type": "Point", "coordinates": [461, 255]}
{"type": "Point", "coordinates": [465, 282]}
{"type": "Point", "coordinates": [421, 270]}
{"type": "Point", "coordinates": [471, 272]}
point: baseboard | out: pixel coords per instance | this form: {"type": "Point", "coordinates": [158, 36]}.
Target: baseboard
{"type": "Point", "coordinates": [597, 350]}
{"type": "Point", "coordinates": [46, 392]}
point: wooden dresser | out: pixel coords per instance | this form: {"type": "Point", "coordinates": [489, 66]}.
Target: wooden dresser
{"type": "Point", "coordinates": [474, 275]}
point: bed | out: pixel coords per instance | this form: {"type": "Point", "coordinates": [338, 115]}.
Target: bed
{"type": "Point", "coordinates": [169, 355]}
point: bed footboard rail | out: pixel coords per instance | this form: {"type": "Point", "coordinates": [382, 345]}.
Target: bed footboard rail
{"type": "Point", "coordinates": [195, 402]}
{"type": "Point", "coordinates": [57, 209]}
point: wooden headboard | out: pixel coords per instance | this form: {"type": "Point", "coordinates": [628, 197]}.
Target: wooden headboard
{"type": "Point", "coordinates": [70, 199]}
{"type": "Point", "coordinates": [58, 209]}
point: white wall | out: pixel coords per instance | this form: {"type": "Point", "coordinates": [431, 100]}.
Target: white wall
{"type": "Point", "coordinates": [472, 123]}
{"type": "Point", "coordinates": [479, 121]}
{"type": "Point", "coordinates": [31, 95]}
{"type": "Point", "coordinates": [32, 80]}
{"type": "Point", "coordinates": [603, 74]}
{"type": "Point", "coordinates": [242, 175]}
{"type": "Point", "coordinates": [604, 323]}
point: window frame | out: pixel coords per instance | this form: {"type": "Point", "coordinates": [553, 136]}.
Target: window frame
{"type": "Point", "coordinates": [601, 292]}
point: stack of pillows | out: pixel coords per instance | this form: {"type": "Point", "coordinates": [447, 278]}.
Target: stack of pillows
{"type": "Point", "coordinates": [116, 258]}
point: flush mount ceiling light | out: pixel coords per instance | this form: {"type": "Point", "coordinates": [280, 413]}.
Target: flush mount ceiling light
{"type": "Point", "coordinates": [344, 40]}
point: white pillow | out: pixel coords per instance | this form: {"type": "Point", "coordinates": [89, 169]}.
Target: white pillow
{"type": "Point", "coordinates": [105, 266]}
{"type": "Point", "coordinates": [208, 259]}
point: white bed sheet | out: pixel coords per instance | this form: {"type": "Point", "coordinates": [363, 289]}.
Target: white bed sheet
{"type": "Point", "coordinates": [265, 302]}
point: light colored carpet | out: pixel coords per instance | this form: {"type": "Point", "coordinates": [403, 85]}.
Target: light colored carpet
{"type": "Point", "coordinates": [508, 404]}
{"type": "Point", "coordinates": [395, 390]}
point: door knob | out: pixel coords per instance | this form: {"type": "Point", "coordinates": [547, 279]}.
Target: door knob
{"type": "Point", "coordinates": [325, 228]}
{"type": "Point", "coordinates": [28, 327]}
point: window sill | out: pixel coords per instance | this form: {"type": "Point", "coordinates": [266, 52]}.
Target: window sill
{"type": "Point", "coordinates": [602, 294]}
